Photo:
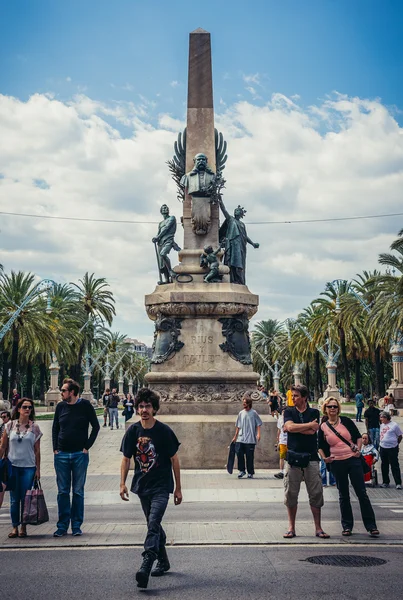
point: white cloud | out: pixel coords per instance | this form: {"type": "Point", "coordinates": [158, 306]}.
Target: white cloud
{"type": "Point", "coordinates": [252, 78]}
{"type": "Point", "coordinates": [341, 158]}
{"type": "Point", "coordinates": [174, 83]}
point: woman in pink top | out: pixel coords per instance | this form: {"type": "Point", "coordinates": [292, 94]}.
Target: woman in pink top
{"type": "Point", "coordinates": [344, 458]}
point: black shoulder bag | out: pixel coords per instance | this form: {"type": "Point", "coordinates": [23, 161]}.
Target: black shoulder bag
{"type": "Point", "coordinates": [365, 467]}
{"type": "Point", "coordinates": [298, 459]}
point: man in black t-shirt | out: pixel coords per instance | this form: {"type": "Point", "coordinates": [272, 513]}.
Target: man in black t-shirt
{"type": "Point", "coordinates": [301, 424]}
{"type": "Point", "coordinates": [372, 423]}
{"type": "Point", "coordinates": [154, 446]}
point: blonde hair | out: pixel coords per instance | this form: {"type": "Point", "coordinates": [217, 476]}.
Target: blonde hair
{"type": "Point", "coordinates": [326, 402]}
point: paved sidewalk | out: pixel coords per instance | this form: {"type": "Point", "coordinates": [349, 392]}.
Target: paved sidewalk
{"type": "Point", "coordinates": [200, 488]}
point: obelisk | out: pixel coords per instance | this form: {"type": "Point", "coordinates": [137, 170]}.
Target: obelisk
{"type": "Point", "coordinates": [199, 131]}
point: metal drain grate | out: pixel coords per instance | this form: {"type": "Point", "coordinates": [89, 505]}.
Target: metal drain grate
{"type": "Point", "coordinates": [345, 560]}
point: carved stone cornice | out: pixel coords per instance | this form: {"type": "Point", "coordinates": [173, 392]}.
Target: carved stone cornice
{"type": "Point", "coordinates": [181, 309]}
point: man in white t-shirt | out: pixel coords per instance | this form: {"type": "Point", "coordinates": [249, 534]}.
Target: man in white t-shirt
{"type": "Point", "coordinates": [247, 434]}
{"type": "Point", "coordinates": [390, 438]}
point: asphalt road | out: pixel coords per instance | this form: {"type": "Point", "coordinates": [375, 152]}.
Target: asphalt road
{"type": "Point", "coordinates": [233, 573]}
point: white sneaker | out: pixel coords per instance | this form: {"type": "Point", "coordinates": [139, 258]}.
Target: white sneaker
{"type": "Point", "coordinates": [398, 487]}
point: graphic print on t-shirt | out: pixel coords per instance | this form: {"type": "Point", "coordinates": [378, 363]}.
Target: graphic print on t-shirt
{"type": "Point", "coordinates": [146, 455]}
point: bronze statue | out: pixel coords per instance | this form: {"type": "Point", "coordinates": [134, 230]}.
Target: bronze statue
{"type": "Point", "coordinates": [209, 259]}
{"type": "Point", "coordinates": [233, 238]}
{"type": "Point", "coordinates": [164, 242]}
{"type": "Point", "coordinates": [199, 184]}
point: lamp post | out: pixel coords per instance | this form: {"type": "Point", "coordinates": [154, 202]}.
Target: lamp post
{"type": "Point", "coordinates": [52, 396]}
{"type": "Point", "coordinates": [120, 382]}
{"type": "Point", "coordinates": [297, 372]}
{"type": "Point", "coordinates": [330, 358]}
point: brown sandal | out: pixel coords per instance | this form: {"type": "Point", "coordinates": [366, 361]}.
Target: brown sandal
{"type": "Point", "coordinates": [13, 534]}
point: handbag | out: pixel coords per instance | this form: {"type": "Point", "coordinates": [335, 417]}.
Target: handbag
{"type": "Point", "coordinates": [365, 467]}
{"type": "Point", "coordinates": [298, 459]}
{"type": "Point", "coordinates": [35, 509]}
{"type": "Point", "coordinates": [6, 474]}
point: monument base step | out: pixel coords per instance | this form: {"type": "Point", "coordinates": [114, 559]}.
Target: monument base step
{"type": "Point", "coordinates": [209, 408]}
{"type": "Point", "coordinates": [205, 440]}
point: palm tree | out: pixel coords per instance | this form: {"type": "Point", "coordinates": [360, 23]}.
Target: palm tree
{"type": "Point", "coordinates": [32, 326]}
{"type": "Point", "coordinates": [267, 339]}
{"type": "Point", "coordinates": [96, 302]}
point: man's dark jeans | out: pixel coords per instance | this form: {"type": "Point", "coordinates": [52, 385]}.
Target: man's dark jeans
{"type": "Point", "coordinates": [343, 470]}
{"type": "Point", "coordinates": [247, 450]}
{"type": "Point", "coordinates": [71, 472]}
{"type": "Point", "coordinates": [154, 507]}
{"type": "Point", "coordinates": [390, 457]}
{"type": "Point", "coordinates": [359, 413]}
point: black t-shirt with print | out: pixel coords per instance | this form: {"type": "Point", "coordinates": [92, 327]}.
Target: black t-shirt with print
{"type": "Point", "coordinates": [152, 450]}
{"type": "Point", "coordinates": [300, 442]}
{"type": "Point", "coordinates": [372, 414]}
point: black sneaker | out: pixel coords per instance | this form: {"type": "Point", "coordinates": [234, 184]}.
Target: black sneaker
{"type": "Point", "coordinates": [60, 533]}
{"type": "Point", "coordinates": [241, 474]}
{"type": "Point", "coordinates": [77, 532]}
{"type": "Point", "coordinates": [162, 565]}
{"type": "Point", "coordinates": [143, 573]}
{"type": "Point", "coordinates": [279, 475]}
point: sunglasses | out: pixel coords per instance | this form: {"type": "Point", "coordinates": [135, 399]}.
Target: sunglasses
{"type": "Point", "coordinates": [62, 390]}
{"type": "Point", "coordinates": [26, 407]}
{"type": "Point", "coordinates": [332, 406]}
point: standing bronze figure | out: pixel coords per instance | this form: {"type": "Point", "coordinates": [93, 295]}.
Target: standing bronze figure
{"type": "Point", "coordinates": [164, 242]}
{"type": "Point", "coordinates": [233, 238]}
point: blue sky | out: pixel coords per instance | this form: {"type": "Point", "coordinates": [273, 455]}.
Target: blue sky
{"type": "Point", "coordinates": [119, 50]}
{"type": "Point", "coordinates": [307, 93]}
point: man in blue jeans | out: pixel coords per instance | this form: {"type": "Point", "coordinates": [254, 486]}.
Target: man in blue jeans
{"type": "Point", "coordinates": [359, 403]}
{"type": "Point", "coordinates": [70, 447]}
{"type": "Point", "coordinates": [154, 446]}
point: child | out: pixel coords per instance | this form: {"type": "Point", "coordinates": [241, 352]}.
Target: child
{"type": "Point", "coordinates": [370, 454]}
{"type": "Point", "coordinates": [281, 445]}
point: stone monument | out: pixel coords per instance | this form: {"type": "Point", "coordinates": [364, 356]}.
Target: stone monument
{"type": "Point", "coordinates": [201, 340]}
{"type": "Point", "coordinates": [201, 363]}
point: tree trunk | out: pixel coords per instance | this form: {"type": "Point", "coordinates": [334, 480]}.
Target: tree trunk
{"type": "Point", "coordinates": [318, 377]}
{"type": "Point", "coordinates": [357, 370]}
{"type": "Point", "coordinates": [4, 384]}
{"type": "Point", "coordinates": [342, 336]}
{"type": "Point", "coordinates": [307, 376]}
{"type": "Point", "coordinates": [14, 362]}
{"type": "Point", "coordinates": [379, 373]}
{"type": "Point", "coordinates": [29, 391]}
{"type": "Point", "coordinates": [42, 380]}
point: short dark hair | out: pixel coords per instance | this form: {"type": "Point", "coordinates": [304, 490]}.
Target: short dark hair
{"type": "Point", "coordinates": [72, 385]}
{"type": "Point", "coordinates": [16, 412]}
{"type": "Point", "coordinates": [301, 389]}
{"type": "Point", "coordinates": [6, 413]}
{"type": "Point", "coordinates": [148, 396]}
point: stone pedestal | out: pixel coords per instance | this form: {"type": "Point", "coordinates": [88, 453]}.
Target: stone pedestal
{"type": "Point", "coordinates": [396, 385]}
{"type": "Point", "coordinates": [205, 320]}
{"type": "Point", "coordinates": [53, 395]}
{"type": "Point", "coordinates": [107, 383]}
{"type": "Point", "coordinates": [120, 383]}
{"type": "Point", "coordinates": [205, 440]}
{"type": "Point", "coordinates": [86, 393]}
{"type": "Point", "coordinates": [297, 374]}
{"type": "Point", "coordinates": [130, 383]}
